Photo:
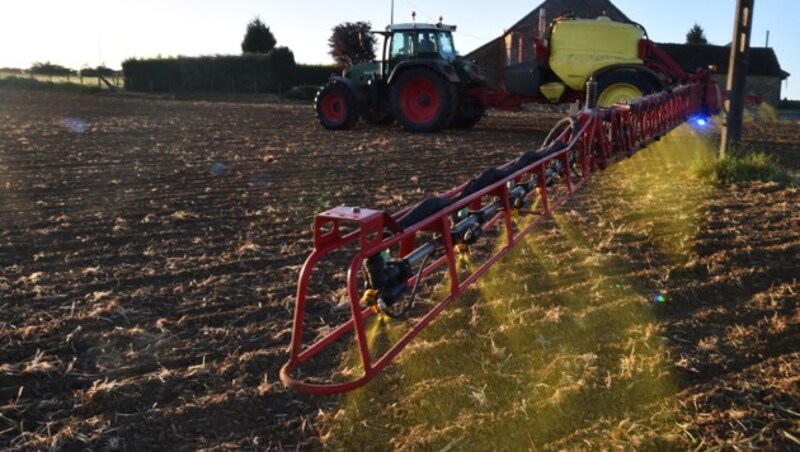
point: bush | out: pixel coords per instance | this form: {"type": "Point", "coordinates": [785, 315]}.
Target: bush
{"type": "Point", "coordinates": [302, 92]}
{"type": "Point", "coordinates": [97, 72]}
{"type": "Point", "coordinates": [743, 166]}
{"type": "Point", "coordinates": [763, 112]}
{"type": "Point", "coordinates": [311, 74]}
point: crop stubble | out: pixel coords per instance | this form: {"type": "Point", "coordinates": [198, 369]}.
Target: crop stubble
{"type": "Point", "coordinates": [149, 250]}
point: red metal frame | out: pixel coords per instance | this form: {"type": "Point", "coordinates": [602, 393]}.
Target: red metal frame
{"type": "Point", "coordinates": [600, 137]}
{"type": "Point", "coordinates": [506, 100]}
{"type": "Point", "coordinates": [660, 62]}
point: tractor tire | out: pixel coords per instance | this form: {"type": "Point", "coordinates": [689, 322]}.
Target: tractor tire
{"type": "Point", "coordinates": [422, 100]}
{"type": "Point", "coordinates": [622, 87]}
{"type": "Point", "coordinates": [469, 113]}
{"type": "Point", "coordinates": [336, 106]}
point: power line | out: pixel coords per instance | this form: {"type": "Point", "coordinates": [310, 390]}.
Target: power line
{"type": "Point", "coordinates": [432, 19]}
{"type": "Point", "coordinates": [473, 36]}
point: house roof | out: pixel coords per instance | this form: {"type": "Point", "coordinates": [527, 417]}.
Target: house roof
{"type": "Point", "coordinates": [584, 9]}
{"type": "Point", "coordinates": [763, 61]}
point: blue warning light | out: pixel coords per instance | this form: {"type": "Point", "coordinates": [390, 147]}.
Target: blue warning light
{"type": "Point", "coordinates": [700, 121]}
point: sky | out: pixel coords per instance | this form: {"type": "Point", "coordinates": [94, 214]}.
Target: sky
{"type": "Point", "coordinates": [83, 33]}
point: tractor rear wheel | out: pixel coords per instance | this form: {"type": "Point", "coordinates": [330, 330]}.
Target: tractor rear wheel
{"type": "Point", "coordinates": [622, 87]}
{"type": "Point", "coordinates": [336, 106]}
{"type": "Point", "coordinates": [422, 100]}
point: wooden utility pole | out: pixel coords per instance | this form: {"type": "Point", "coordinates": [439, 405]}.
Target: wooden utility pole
{"type": "Point", "coordinates": [737, 75]}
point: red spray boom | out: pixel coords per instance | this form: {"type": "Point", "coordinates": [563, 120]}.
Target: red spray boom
{"type": "Point", "coordinates": [514, 197]}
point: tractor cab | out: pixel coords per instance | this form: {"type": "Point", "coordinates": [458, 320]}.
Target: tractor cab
{"type": "Point", "coordinates": [414, 41]}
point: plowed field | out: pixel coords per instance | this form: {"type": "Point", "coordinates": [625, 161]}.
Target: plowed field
{"type": "Point", "coordinates": [149, 251]}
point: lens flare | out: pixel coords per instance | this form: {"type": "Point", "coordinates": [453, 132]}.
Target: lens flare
{"type": "Point", "coordinates": [218, 168]}
{"type": "Point", "coordinates": [75, 125]}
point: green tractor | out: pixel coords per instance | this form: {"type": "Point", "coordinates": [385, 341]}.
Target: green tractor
{"type": "Point", "coordinates": [420, 82]}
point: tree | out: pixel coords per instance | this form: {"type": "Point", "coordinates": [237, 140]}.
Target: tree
{"type": "Point", "coordinates": [49, 69]}
{"type": "Point", "coordinates": [696, 35]}
{"type": "Point", "coordinates": [258, 38]}
{"type": "Point", "coordinates": [97, 72]}
{"type": "Point", "coordinates": [282, 62]}
{"type": "Point", "coordinates": [352, 43]}
{"type": "Point", "coordinates": [282, 57]}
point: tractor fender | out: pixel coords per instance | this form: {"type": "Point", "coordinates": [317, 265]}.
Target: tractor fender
{"type": "Point", "coordinates": [657, 80]}
{"type": "Point", "coordinates": [441, 67]}
{"type": "Point", "coordinates": [357, 89]}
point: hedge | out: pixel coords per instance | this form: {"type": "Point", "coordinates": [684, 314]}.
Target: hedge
{"type": "Point", "coordinates": [254, 73]}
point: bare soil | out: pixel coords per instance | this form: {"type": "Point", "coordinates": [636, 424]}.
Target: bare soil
{"type": "Point", "coordinates": [149, 250]}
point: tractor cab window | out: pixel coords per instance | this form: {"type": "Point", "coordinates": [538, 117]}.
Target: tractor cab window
{"type": "Point", "coordinates": [426, 44]}
{"type": "Point", "coordinates": [446, 48]}
{"type": "Point", "coordinates": [435, 44]}
{"type": "Point", "coordinates": [422, 44]}
{"type": "Point", "coordinates": [402, 45]}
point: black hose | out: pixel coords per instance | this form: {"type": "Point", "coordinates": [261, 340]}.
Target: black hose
{"type": "Point", "coordinates": [402, 314]}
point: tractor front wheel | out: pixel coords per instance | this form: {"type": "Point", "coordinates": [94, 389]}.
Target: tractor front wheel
{"type": "Point", "coordinates": [422, 100]}
{"type": "Point", "coordinates": [336, 106]}
{"type": "Point", "coordinates": [622, 87]}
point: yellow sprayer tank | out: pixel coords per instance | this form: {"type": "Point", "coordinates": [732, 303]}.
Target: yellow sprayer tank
{"type": "Point", "coordinates": [580, 47]}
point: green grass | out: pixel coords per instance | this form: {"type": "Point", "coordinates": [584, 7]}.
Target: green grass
{"type": "Point", "coordinates": [742, 165]}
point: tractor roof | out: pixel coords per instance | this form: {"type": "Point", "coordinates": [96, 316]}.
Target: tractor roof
{"type": "Point", "coordinates": [415, 26]}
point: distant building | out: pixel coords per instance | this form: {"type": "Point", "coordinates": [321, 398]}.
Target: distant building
{"type": "Point", "coordinates": [765, 75]}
